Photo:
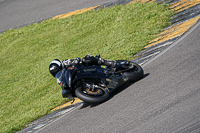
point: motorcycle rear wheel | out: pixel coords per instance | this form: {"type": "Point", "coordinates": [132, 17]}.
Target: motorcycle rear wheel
{"type": "Point", "coordinates": [92, 97]}
{"type": "Point", "coordinates": [136, 73]}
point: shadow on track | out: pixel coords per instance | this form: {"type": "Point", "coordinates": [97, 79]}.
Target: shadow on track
{"type": "Point", "coordinates": [115, 92]}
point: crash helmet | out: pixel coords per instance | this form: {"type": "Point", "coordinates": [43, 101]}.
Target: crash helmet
{"type": "Point", "coordinates": [55, 66]}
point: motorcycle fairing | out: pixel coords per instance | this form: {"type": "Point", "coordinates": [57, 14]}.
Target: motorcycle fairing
{"type": "Point", "coordinates": [64, 79]}
{"type": "Point", "coordinates": [68, 77]}
{"type": "Point", "coordinates": [111, 80]}
{"type": "Point", "coordinates": [90, 72]}
{"type": "Point", "coordinates": [114, 81]}
{"type": "Point", "coordinates": [59, 77]}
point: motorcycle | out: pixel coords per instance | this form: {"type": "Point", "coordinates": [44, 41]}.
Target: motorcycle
{"type": "Point", "coordinates": [93, 84]}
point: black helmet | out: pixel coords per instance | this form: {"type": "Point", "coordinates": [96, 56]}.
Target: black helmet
{"type": "Point", "coordinates": [55, 66]}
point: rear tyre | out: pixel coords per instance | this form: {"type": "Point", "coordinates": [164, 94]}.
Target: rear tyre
{"type": "Point", "coordinates": [136, 73]}
{"type": "Point", "coordinates": [98, 95]}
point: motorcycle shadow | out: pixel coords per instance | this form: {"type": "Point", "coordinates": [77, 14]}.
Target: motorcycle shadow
{"type": "Point", "coordinates": [124, 86]}
{"type": "Point", "coordinates": [112, 94]}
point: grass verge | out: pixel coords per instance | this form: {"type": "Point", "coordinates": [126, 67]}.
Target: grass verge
{"type": "Point", "coordinates": [28, 91]}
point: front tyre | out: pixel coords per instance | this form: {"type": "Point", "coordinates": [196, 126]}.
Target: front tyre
{"type": "Point", "coordinates": [98, 95]}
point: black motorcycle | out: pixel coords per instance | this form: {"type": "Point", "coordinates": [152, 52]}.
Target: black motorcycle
{"type": "Point", "coordinates": [93, 84]}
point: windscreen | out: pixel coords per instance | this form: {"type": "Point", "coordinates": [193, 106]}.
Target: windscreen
{"type": "Point", "coordinates": [59, 75]}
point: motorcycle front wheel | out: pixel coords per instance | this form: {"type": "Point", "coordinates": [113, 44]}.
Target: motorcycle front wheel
{"type": "Point", "coordinates": [97, 95]}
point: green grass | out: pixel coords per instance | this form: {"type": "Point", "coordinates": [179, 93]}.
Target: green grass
{"type": "Point", "coordinates": [28, 91]}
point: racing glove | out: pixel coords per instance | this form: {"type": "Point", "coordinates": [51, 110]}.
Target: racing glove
{"type": "Point", "coordinates": [90, 60]}
{"type": "Point", "coordinates": [71, 62]}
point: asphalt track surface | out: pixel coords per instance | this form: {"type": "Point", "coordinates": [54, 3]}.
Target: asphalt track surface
{"type": "Point", "coordinates": [166, 100]}
{"type": "Point", "coordinates": [15, 13]}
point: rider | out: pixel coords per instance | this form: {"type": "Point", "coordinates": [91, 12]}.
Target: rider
{"type": "Point", "coordinates": [56, 65]}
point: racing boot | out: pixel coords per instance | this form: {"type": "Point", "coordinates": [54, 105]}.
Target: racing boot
{"type": "Point", "coordinates": [116, 65]}
{"type": "Point", "coordinates": [121, 65]}
{"type": "Point", "coordinates": [109, 63]}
